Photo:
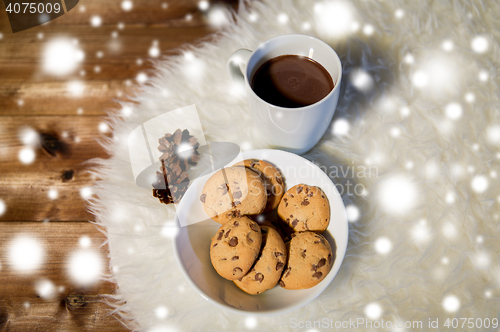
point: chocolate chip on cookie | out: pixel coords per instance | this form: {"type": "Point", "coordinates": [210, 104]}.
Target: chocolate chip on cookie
{"type": "Point", "coordinates": [309, 261]}
{"type": "Point", "coordinates": [235, 247]}
{"type": "Point", "coordinates": [272, 179]}
{"type": "Point", "coordinates": [233, 192]}
{"type": "Point", "coordinates": [267, 269]}
{"type": "Point", "coordinates": [305, 208]}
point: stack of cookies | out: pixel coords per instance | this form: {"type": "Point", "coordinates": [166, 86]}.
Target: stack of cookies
{"type": "Point", "coordinates": [258, 248]}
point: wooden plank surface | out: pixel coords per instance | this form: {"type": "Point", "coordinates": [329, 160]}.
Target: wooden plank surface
{"type": "Point", "coordinates": [47, 94]}
{"type": "Point", "coordinates": [42, 199]}
{"type": "Point", "coordinates": [72, 307]}
{"type": "Point", "coordinates": [65, 143]}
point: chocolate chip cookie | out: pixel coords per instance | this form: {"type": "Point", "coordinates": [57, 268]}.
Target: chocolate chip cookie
{"type": "Point", "coordinates": [310, 258]}
{"type": "Point", "coordinates": [235, 247]}
{"type": "Point", "coordinates": [271, 176]}
{"type": "Point", "coordinates": [268, 267]}
{"type": "Point", "coordinates": [233, 192]}
{"type": "Point", "coordinates": [305, 208]}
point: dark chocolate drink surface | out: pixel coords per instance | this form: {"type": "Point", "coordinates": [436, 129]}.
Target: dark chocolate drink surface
{"type": "Point", "coordinates": [292, 81]}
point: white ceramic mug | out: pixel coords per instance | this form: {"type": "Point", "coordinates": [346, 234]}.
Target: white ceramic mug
{"type": "Point", "coordinates": [293, 129]}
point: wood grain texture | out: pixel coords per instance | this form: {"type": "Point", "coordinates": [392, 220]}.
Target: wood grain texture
{"type": "Point", "coordinates": [105, 78]}
{"type": "Point", "coordinates": [60, 165]}
{"type": "Point", "coordinates": [73, 307]}
{"type": "Point", "coordinates": [68, 128]}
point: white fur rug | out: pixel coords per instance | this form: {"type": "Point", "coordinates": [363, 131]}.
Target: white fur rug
{"type": "Point", "coordinates": [419, 103]}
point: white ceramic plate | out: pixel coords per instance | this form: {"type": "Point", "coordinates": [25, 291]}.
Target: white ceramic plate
{"type": "Point", "coordinates": [192, 242]}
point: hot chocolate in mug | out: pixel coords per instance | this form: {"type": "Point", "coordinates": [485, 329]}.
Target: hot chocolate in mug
{"type": "Point", "coordinates": [295, 129]}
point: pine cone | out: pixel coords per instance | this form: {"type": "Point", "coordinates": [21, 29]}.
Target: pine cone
{"type": "Point", "coordinates": [172, 182]}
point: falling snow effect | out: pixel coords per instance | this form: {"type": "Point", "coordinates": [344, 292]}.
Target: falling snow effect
{"type": "Point", "coordinates": [61, 57]}
{"type": "Point", "coordinates": [420, 79]}
{"type": "Point", "coordinates": [451, 303]}
{"type": "Point", "coordinates": [341, 127]}
{"type": "Point", "coordinates": [218, 16]}
{"type": "Point", "coordinates": [85, 241]}
{"type": "Point", "coordinates": [95, 21]}
{"type": "Point", "coordinates": [251, 323]}
{"type": "Point", "coordinates": [46, 289]}
{"type": "Point", "coordinates": [479, 183]}
{"type": "Point", "coordinates": [404, 111]}
{"type": "Point", "coordinates": [439, 73]}
{"type": "Point", "coordinates": [431, 170]}
{"type": "Point", "coordinates": [85, 267]}
{"type": "Point", "coordinates": [283, 18]}
{"type": "Point", "coordinates": [421, 232]}
{"type": "Point", "coordinates": [3, 207]}
{"type": "Point", "coordinates": [27, 155]}
{"type": "Point", "coordinates": [447, 45]}
{"type": "Point", "coordinates": [169, 230]}
{"type": "Point", "coordinates": [193, 68]}
{"type": "Point", "coordinates": [75, 88]}
{"type": "Point", "coordinates": [127, 5]}
{"type": "Point", "coordinates": [253, 17]}
{"type": "Point", "coordinates": [409, 59]}
{"type": "Point", "coordinates": [86, 192]}
{"type": "Point", "coordinates": [493, 133]}
{"type": "Point", "coordinates": [481, 260]}
{"type": "Point", "coordinates": [398, 194]}
{"type": "Point", "coordinates": [483, 76]}
{"type": "Point", "coordinates": [361, 80]}
{"type": "Point", "coordinates": [449, 230]}
{"type": "Point", "coordinates": [373, 311]}
{"type": "Point", "coordinates": [203, 5]}
{"type": "Point", "coordinates": [26, 254]}
{"type": "Point", "coordinates": [127, 111]}
{"type": "Point", "coordinates": [399, 13]}
{"type": "Point", "coordinates": [368, 30]}
{"type": "Point", "coordinates": [383, 245]}
{"type": "Point", "coordinates": [470, 97]}
{"type": "Point", "coordinates": [245, 146]}
{"type": "Point", "coordinates": [479, 44]}
{"type": "Point", "coordinates": [53, 194]}
{"type": "Point", "coordinates": [395, 132]}
{"type": "Point", "coordinates": [453, 111]}
{"type": "Point", "coordinates": [103, 127]}
{"type": "Point", "coordinates": [154, 51]}
{"type": "Point", "coordinates": [352, 213]}
{"type": "Point", "coordinates": [161, 312]}
{"type": "Point", "coordinates": [450, 198]}
{"type": "Point", "coordinates": [333, 18]}
{"type": "Point", "coordinates": [142, 78]}
{"type": "Point", "coordinates": [428, 212]}
{"type": "Point", "coordinates": [28, 136]}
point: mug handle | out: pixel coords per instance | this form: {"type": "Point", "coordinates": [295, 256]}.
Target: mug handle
{"type": "Point", "coordinates": [237, 64]}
